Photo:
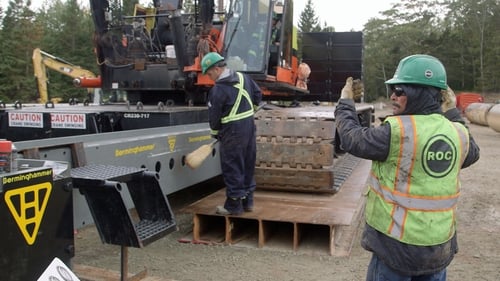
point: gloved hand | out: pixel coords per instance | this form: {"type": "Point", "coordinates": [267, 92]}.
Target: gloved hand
{"type": "Point", "coordinates": [358, 89]}
{"type": "Point", "coordinates": [449, 99]}
{"type": "Point", "coordinates": [353, 89]}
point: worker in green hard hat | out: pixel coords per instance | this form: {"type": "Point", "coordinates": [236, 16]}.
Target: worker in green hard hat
{"type": "Point", "coordinates": [420, 71]}
{"type": "Point", "coordinates": [210, 60]}
{"type": "Point", "coordinates": [413, 188]}
{"type": "Point", "coordinates": [231, 103]}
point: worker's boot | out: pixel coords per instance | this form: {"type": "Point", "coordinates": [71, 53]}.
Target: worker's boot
{"type": "Point", "coordinates": [232, 206]}
{"type": "Point", "coordinates": [248, 202]}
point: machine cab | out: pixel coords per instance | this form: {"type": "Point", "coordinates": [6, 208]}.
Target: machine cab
{"type": "Point", "coordinates": [258, 36]}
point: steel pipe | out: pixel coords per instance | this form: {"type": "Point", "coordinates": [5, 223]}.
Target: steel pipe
{"type": "Point", "coordinates": [477, 112]}
{"type": "Point", "coordinates": [493, 117]}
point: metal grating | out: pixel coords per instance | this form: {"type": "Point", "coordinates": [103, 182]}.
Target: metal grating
{"type": "Point", "coordinates": [147, 229]}
{"type": "Point", "coordinates": [343, 169]}
{"type": "Point", "coordinates": [102, 172]}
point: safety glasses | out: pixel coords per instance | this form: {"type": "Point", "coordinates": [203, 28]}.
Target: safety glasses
{"type": "Point", "coordinates": [398, 91]}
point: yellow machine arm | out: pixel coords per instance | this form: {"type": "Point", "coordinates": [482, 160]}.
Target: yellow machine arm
{"type": "Point", "coordinates": [43, 60]}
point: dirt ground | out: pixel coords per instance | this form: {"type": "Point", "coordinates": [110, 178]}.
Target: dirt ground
{"type": "Point", "coordinates": [167, 258]}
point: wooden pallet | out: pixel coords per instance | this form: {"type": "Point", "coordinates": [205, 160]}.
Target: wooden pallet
{"type": "Point", "coordinates": [321, 223]}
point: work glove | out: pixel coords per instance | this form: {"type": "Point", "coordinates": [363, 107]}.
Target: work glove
{"type": "Point", "coordinates": [449, 100]}
{"type": "Point", "coordinates": [353, 89]}
{"type": "Point", "coordinates": [358, 89]}
{"type": "Point", "coordinates": [214, 134]}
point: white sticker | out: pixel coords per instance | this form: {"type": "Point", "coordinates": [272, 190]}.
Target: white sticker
{"type": "Point", "coordinates": [57, 270]}
{"type": "Point", "coordinates": [26, 119]}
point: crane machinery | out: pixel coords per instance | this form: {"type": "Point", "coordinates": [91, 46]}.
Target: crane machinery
{"type": "Point", "coordinates": [131, 50]}
{"type": "Point", "coordinates": [81, 77]}
{"type": "Point", "coordinates": [154, 55]}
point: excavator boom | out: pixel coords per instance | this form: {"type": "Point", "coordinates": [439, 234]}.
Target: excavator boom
{"type": "Point", "coordinates": [43, 60]}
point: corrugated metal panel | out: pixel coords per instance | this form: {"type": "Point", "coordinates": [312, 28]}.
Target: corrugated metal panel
{"type": "Point", "coordinates": [332, 56]}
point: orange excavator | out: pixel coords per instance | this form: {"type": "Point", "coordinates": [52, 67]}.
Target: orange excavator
{"type": "Point", "coordinates": [155, 53]}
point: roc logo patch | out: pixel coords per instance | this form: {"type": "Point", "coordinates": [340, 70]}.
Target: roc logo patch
{"type": "Point", "coordinates": [439, 157]}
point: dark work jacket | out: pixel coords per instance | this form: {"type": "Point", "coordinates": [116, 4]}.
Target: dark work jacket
{"type": "Point", "coordinates": [373, 144]}
{"type": "Point", "coordinates": [222, 97]}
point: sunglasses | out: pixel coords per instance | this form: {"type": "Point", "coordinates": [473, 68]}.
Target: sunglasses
{"type": "Point", "coordinates": [398, 91]}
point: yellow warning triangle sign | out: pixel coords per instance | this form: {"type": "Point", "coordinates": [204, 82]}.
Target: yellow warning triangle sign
{"type": "Point", "coordinates": [27, 206]}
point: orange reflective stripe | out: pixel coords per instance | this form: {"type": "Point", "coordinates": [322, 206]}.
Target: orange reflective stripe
{"type": "Point", "coordinates": [413, 202]}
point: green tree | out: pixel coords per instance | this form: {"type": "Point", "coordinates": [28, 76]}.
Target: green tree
{"type": "Point", "coordinates": [20, 34]}
{"type": "Point", "coordinates": [463, 34]}
{"type": "Point", "coordinates": [476, 25]}
{"type": "Point", "coordinates": [327, 28]}
{"type": "Point", "coordinates": [409, 27]}
{"type": "Point", "coordinates": [308, 21]}
{"type": "Point", "coordinates": [68, 31]}
{"type": "Point", "coordinates": [3, 66]}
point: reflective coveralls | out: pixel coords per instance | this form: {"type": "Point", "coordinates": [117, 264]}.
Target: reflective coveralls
{"type": "Point", "coordinates": [231, 104]}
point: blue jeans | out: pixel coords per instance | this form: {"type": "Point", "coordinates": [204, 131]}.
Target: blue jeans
{"type": "Point", "coordinates": [378, 271]}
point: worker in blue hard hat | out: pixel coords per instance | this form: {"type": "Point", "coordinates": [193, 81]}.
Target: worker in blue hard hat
{"type": "Point", "coordinates": [231, 103]}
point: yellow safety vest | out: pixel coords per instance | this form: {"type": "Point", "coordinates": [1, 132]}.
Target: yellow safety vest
{"type": "Point", "coordinates": [242, 93]}
{"type": "Point", "coordinates": [412, 195]}
{"type": "Point", "coordinates": [233, 115]}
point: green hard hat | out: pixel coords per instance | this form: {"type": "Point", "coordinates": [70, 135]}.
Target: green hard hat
{"type": "Point", "coordinates": [210, 60]}
{"type": "Point", "coordinates": [420, 69]}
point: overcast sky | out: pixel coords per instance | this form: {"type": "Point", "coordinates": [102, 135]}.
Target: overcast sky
{"type": "Point", "coordinates": [344, 15]}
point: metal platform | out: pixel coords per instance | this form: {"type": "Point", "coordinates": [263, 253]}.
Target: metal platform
{"type": "Point", "coordinates": [318, 223]}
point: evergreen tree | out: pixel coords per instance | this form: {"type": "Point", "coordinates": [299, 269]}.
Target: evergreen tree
{"type": "Point", "coordinates": [3, 66]}
{"type": "Point", "coordinates": [327, 28]}
{"type": "Point", "coordinates": [19, 34]}
{"type": "Point", "coordinates": [68, 35]}
{"type": "Point", "coordinates": [308, 21]}
{"type": "Point", "coordinates": [463, 34]}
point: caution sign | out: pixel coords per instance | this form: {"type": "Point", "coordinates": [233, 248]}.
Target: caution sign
{"type": "Point", "coordinates": [68, 121]}
{"type": "Point", "coordinates": [26, 196]}
{"type": "Point", "coordinates": [26, 119]}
